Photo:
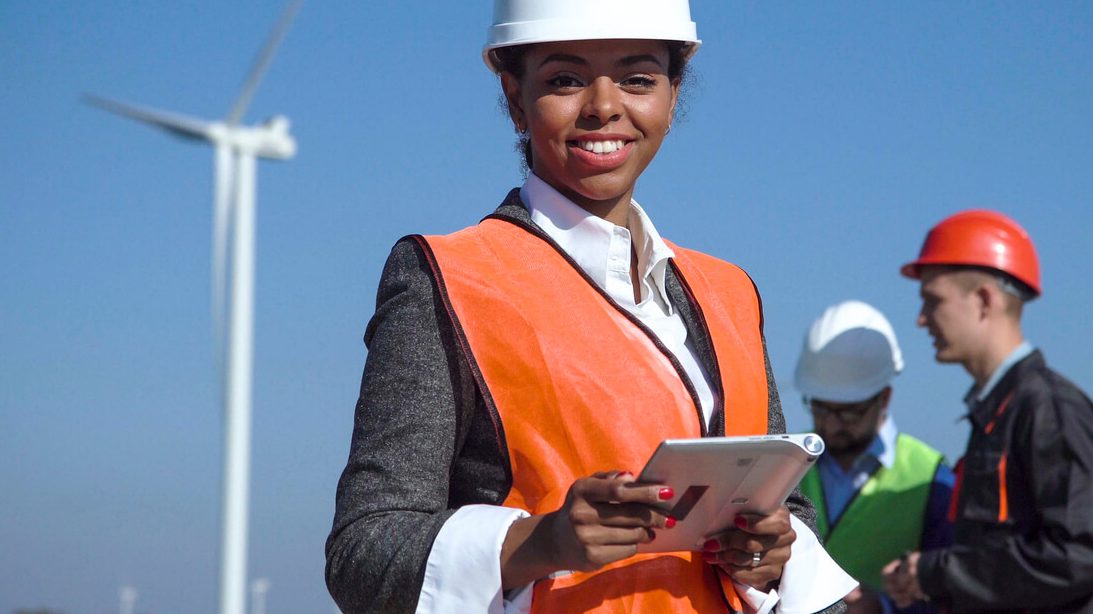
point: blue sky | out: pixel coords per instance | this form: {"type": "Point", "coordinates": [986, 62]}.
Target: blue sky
{"type": "Point", "coordinates": [821, 141]}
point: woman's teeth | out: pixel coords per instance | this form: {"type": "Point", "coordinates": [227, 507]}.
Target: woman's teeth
{"type": "Point", "coordinates": [601, 147]}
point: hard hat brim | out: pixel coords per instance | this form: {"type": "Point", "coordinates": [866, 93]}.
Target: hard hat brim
{"type": "Point", "coordinates": [491, 60]}
{"type": "Point", "coordinates": [673, 27]}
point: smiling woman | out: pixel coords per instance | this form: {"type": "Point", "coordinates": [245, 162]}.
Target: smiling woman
{"type": "Point", "coordinates": [510, 61]}
{"type": "Point", "coordinates": [521, 371]}
{"type": "Point", "coordinates": [595, 112]}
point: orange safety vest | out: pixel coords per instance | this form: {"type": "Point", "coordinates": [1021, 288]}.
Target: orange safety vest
{"type": "Point", "coordinates": [575, 385]}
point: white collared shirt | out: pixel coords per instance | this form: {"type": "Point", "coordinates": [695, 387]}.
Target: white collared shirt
{"type": "Point", "coordinates": [1018, 354]}
{"type": "Point", "coordinates": [463, 572]}
{"type": "Point", "coordinates": [602, 250]}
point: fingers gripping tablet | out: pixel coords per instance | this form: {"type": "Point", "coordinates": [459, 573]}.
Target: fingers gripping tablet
{"type": "Point", "coordinates": [716, 478]}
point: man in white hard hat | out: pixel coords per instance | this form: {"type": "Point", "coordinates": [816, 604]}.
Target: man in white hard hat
{"type": "Point", "coordinates": [878, 493]}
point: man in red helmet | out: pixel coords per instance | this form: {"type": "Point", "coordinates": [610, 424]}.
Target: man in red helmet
{"type": "Point", "coordinates": [1023, 504]}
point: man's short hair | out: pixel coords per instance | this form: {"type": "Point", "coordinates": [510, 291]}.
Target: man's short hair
{"type": "Point", "coordinates": [1016, 292]}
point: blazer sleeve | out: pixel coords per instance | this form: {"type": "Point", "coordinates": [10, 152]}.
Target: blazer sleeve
{"type": "Point", "coordinates": [393, 495]}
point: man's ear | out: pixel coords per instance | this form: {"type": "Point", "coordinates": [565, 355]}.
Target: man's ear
{"type": "Point", "coordinates": [510, 85]}
{"type": "Point", "coordinates": [886, 397]}
{"type": "Point", "coordinates": [987, 299]}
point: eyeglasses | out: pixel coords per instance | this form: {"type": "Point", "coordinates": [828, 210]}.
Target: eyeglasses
{"type": "Point", "coordinates": [848, 413]}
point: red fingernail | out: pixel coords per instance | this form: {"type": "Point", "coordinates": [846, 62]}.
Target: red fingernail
{"type": "Point", "coordinates": [711, 545]}
{"type": "Point", "coordinates": [741, 522]}
{"type": "Point", "coordinates": [666, 493]}
{"type": "Point", "coordinates": [709, 557]}
{"type": "Point", "coordinates": [669, 522]}
{"type": "Point", "coordinates": [626, 474]}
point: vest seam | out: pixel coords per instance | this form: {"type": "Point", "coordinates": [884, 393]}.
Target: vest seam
{"type": "Point", "coordinates": [472, 364]}
{"type": "Point", "coordinates": [680, 372]}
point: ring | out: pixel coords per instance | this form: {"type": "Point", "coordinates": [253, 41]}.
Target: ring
{"type": "Point", "coordinates": [755, 556]}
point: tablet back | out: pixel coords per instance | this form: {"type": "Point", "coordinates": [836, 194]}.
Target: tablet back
{"type": "Point", "coordinates": [715, 478]}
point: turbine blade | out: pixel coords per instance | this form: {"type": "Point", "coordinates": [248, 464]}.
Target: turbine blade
{"type": "Point", "coordinates": [262, 61]}
{"type": "Point", "coordinates": [180, 125]}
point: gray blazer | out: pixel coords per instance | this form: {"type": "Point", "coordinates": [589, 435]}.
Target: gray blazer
{"type": "Point", "coordinates": [423, 442]}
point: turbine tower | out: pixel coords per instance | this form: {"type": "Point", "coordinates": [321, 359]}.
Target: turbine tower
{"type": "Point", "coordinates": [127, 598]}
{"type": "Point", "coordinates": [236, 147]}
{"type": "Point", "coordinates": [258, 590]}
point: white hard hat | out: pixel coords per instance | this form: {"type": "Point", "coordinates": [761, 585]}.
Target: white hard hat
{"type": "Point", "coordinates": [850, 354]}
{"type": "Point", "coordinates": [522, 22]}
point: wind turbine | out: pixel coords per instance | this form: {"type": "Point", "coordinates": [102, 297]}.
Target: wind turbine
{"type": "Point", "coordinates": [237, 147]}
{"type": "Point", "coordinates": [127, 598]}
{"type": "Point", "coordinates": [258, 590]}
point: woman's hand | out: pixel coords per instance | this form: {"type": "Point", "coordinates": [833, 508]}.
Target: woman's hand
{"type": "Point", "coordinates": [735, 550]}
{"type": "Point", "coordinates": [604, 518]}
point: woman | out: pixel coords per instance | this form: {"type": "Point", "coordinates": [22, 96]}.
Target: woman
{"type": "Point", "coordinates": [521, 370]}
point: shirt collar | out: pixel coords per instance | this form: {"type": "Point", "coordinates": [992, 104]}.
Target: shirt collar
{"type": "Point", "coordinates": [884, 446]}
{"type": "Point", "coordinates": [587, 238]}
{"type": "Point", "coordinates": [1017, 355]}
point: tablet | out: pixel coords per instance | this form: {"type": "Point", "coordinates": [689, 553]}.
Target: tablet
{"type": "Point", "coordinates": [715, 478]}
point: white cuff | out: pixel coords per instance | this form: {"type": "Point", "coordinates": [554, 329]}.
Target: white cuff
{"type": "Point", "coordinates": [760, 602]}
{"type": "Point", "coordinates": [463, 573]}
{"type": "Point", "coordinates": [811, 579]}
{"type": "Point", "coordinates": [810, 582]}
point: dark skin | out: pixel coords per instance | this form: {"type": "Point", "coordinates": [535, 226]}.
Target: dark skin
{"type": "Point", "coordinates": [610, 90]}
{"type": "Point", "coordinates": [771, 536]}
{"type": "Point", "coordinates": [576, 92]}
{"type": "Point", "coordinates": [604, 518]}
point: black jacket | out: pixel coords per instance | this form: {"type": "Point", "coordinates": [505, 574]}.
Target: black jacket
{"type": "Point", "coordinates": [423, 442]}
{"type": "Point", "coordinates": [1023, 538]}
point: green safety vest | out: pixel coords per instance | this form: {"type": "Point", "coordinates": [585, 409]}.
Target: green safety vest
{"type": "Point", "coordinates": [885, 517]}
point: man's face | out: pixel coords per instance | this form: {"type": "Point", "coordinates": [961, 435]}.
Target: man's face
{"type": "Point", "coordinates": [952, 314]}
{"type": "Point", "coordinates": [849, 428]}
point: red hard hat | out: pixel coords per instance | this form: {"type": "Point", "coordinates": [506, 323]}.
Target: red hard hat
{"type": "Point", "coordinates": [979, 237]}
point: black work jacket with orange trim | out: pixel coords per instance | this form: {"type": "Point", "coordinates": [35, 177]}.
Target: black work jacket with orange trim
{"type": "Point", "coordinates": [1023, 533]}
{"type": "Point", "coordinates": [424, 443]}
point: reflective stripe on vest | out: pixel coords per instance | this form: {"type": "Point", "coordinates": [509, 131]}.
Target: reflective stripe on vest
{"type": "Point", "coordinates": [886, 517]}
{"type": "Point", "coordinates": [577, 386]}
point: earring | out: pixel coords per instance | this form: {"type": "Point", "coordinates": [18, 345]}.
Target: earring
{"type": "Point", "coordinates": [668, 130]}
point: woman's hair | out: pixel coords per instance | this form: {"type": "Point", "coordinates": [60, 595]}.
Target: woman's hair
{"type": "Point", "coordinates": [511, 60]}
